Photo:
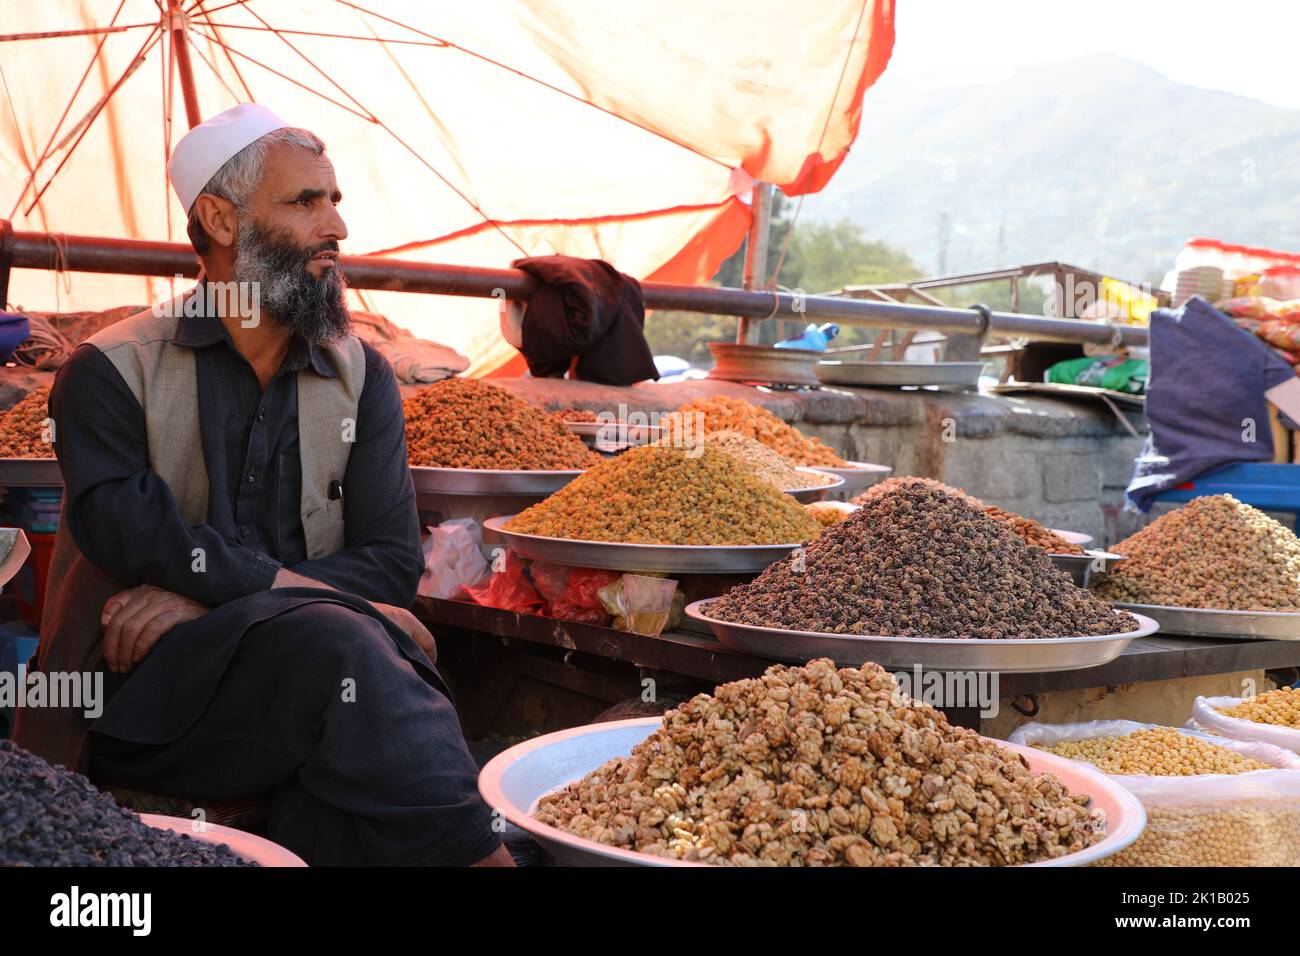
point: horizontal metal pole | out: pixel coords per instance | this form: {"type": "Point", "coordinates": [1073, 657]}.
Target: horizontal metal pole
{"type": "Point", "coordinates": [38, 250]}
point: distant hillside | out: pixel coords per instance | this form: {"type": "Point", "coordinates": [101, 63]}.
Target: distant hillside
{"type": "Point", "coordinates": [1097, 161]}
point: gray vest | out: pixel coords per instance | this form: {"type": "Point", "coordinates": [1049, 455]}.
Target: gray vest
{"type": "Point", "coordinates": [162, 378]}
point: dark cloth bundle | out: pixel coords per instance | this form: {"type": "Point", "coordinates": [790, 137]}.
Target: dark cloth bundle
{"type": "Point", "coordinates": [1205, 401]}
{"type": "Point", "coordinates": [585, 308]}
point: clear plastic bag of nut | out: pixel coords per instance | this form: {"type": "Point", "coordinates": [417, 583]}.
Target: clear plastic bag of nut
{"type": "Point", "coordinates": [1242, 819]}
{"type": "Point", "coordinates": [1208, 716]}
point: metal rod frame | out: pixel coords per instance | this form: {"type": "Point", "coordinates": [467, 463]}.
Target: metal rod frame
{"type": "Point", "coordinates": [51, 251]}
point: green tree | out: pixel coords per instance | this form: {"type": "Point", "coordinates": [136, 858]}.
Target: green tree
{"type": "Point", "coordinates": [821, 257]}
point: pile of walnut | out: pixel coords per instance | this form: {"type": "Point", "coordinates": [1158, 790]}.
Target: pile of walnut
{"type": "Point", "coordinates": [813, 766]}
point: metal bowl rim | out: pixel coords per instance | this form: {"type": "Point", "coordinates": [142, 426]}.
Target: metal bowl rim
{"type": "Point", "coordinates": [435, 469]}
{"type": "Point", "coordinates": [1146, 628]}
{"type": "Point", "coordinates": [497, 524]}
{"type": "Point", "coordinates": [489, 787]}
{"type": "Point", "coordinates": [1279, 615]}
{"type": "Point", "coordinates": [830, 486]}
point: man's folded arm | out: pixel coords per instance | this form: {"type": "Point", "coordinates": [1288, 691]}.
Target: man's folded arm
{"type": "Point", "coordinates": [382, 560]}
{"type": "Point", "coordinates": [120, 513]}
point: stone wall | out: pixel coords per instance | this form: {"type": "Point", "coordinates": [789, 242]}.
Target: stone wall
{"type": "Point", "coordinates": [1062, 463]}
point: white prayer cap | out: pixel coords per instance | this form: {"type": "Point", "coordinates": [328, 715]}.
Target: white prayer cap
{"type": "Point", "coordinates": [205, 148]}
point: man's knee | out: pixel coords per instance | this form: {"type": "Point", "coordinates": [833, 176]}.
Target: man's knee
{"type": "Point", "coordinates": [333, 633]}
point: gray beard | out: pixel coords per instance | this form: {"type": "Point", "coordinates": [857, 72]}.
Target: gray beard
{"type": "Point", "coordinates": [314, 308]}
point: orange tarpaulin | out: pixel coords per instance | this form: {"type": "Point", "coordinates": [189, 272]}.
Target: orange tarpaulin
{"type": "Point", "coordinates": [461, 133]}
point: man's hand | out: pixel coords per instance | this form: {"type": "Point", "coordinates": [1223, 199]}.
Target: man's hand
{"type": "Point", "coordinates": [409, 623]}
{"type": "Point", "coordinates": [136, 618]}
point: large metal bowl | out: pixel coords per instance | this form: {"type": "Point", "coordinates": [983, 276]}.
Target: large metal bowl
{"type": "Point", "coordinates": [763, 364]}
{"type": "Point", "coordinates": [663, 558]}
{"type": "Point", "coordinates": [1082, 566]}
{"type": "Point", "coordinates": [858, 475]}
{"type": "Point", "coordinates": [816, 492]}
{"type": "Point", "coordinates": [1217, 622]}
{"type": "Point", "coordinates": [514, 781]}
{"type": "Point", "coordinates": [489, 481]}
{"type": "Point", "coordinates": [251, 847]}
{"type": "Point", "coordinates": [1072, 537]}
{"type": "Point", "coordinates": [1015, 656]}
{"type": "Point", "coordinates": [897, 374]}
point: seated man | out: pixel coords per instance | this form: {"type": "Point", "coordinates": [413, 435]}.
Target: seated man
{"type": "Point", "coordinates": [239, 539]}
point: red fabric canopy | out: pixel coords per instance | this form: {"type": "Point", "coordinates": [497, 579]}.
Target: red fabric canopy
{"type": "Point", "coordinates": [461, 133]}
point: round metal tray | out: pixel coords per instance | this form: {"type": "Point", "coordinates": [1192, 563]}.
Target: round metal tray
{"type": "Point", "coordinates": [664, 558]}
{"type": "Point", "coordinates": [1081, 566]}
{"type": "Point", "coordinates": [1018, 656]}
{"type": "Point", "coordinates": [895, 374]}
{"type": "Point", "coordinates": [515, 780]}
{"type": "Point", "coordinates": [1073, 537]}
{"type": "Point", "coordinates": [859, 475]}
{"type": "Point", "coordinates": [486, 481]}
{"type": "Point", "coordinates": [1214, 622]}
{"type": "Point", "coordinates": [30, 473]}
{"type": "Point", "coordinates": [736, 362]}
{"type": "Point", "coordinates": [817, 492]}
{"type": "Point", "coordinates": [249, 846]}
{"type": "Point", "coordinates": [615, 433]}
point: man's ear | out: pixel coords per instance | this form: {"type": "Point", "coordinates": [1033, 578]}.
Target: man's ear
{"type": "Point", "coordinates": [217, 216]}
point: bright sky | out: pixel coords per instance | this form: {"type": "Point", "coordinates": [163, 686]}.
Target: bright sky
{"type": "Point", "coordinates": [1247, 47]}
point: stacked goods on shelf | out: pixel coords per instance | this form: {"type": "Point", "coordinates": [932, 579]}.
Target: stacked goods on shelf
{"type": "Point", "coordinates": [1275, 321]}
{"type": "Point", "coordinates": [737, 415]}
{"type": "Point", "coordinates": [24, 432]}
{"type": "Point", "coordinates": [1214, 552]}
{"type": "Point", "coordinates": [1210, 801]}
{"type": "Point", "coordinates": [667, 495]}
{"type": "Point", "coordinates": [467, 423]}
{"type": "Point", "coordinates": [918, 562]}
{"type": "Point", "coordinates": [814, 766]}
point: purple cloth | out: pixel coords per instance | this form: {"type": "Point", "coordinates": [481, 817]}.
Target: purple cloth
{"type": "Point", "coordinates": [1205, 401]}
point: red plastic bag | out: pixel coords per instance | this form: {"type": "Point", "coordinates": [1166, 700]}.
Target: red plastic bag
{"type": "Point", "coordinates": [509, 589]}
{"type": "Point", "coordinates": [580, 601]}
{"type": "Point", "coordinates": [550, 579]}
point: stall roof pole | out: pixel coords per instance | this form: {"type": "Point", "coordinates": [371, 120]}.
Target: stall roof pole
{"type": "Point", "coordinates": [51, 251]}
{"type": "Point", "coordinates": [756, 255]}
{"type": "Point", "coordinates": [181, 59]}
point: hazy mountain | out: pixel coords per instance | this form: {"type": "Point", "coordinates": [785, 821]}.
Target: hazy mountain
{"type": "Point", "coordinates": [1098, 161]}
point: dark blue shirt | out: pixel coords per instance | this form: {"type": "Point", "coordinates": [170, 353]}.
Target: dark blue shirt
{"type": "Point", "coordinates": [124, 519]}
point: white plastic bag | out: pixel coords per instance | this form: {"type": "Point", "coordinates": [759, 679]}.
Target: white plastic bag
{"type": "Point", "coordinates": [1245, 819]}
{"type": "Point", "coordinates": [453, 559]}
{"type": "Point", "coordinates": [1206, 716]}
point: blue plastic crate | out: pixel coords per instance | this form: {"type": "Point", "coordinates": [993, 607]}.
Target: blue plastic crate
{"type": "Point", "coordinates": [1266, 486]}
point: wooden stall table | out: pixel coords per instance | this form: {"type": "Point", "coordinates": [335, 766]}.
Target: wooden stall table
{"type": "Point", "coordinates": [491, 656]}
